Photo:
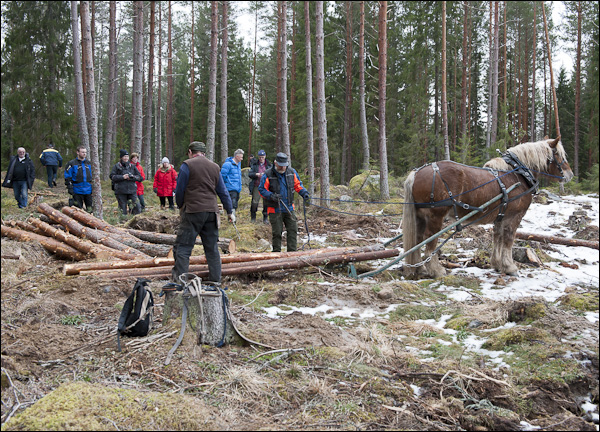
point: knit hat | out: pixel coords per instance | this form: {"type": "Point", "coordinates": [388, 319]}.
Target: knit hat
{"type": "Point", "coordinates": [122, 153]}
{"type": "Point", "coordinates": [165, 160]}
{"type": "Point", "coordinates": [262, 153]}
{"type": "Point", "coordinates": [197, 147]}
{"type": "Point", "coordinates": [282, 159]}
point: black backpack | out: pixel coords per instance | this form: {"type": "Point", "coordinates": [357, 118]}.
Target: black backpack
{"type": "Point", "coordinates": [136, 316]}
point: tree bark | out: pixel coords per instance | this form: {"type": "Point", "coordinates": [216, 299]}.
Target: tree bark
{"type": "Point", "coordinates": [444, 86]}
{"type": "Point", "coordinates": [212, 84]}
{"type": "Point", "coordinates": [577, 94]}
{"type": "Point", "coordinates": [169, 137]}
{"type": "Point", "coordinates": [72, 269]}
{"type": "Point", "coordinates": [361, 93]}
{"type": "Point", "coordinates": [79, 96]}
{"type": "Point", "coordinates": [81, 231]}
{"type": "Point", "coordinates": [345, 172]}
{"type": "Point", "coordinates": [551, 72]}
{"type": "Point", "coordinates": [146, 155]}
{"type": "Point", "coordinates": [57, 247]}
{"type": "Point", "coordinates": [532, 122]}
{"type": "Point", "coordinates": [138, 77]}
{"type": "Point", "coordinates": [321, 108]}
{"type": "Point", "coordinates": [309, 103]}
{"type": "Point", "coordinates": [383, 173]}
{"type": "Point", "coordinates": [285, 128]}
{"type": "Point", "coordinates": [557, 240]}
{"type": "Point", "coordinates": [158, 108]}
{"type": "Point", "coordinates": [111, 117]}
{"type": "Point", "coordinates": [92, 115]}
{"type": "Point", "coordinates": [224, 45]}
{"type": "Point", "coordinates": [494, 127]}
{"type": "Point", "coordinates": [263, 266]}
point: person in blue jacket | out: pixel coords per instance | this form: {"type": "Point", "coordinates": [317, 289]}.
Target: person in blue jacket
{"type": "Point", "coordinates": [78, 179]}
{"type": "Point", "coordinates": [231, 171]}
{"type": "Point", "coordinates": [52, 160]}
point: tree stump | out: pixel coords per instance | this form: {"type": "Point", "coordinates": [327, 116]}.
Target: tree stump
{"type": "Point", "coordinates": [206, 316]}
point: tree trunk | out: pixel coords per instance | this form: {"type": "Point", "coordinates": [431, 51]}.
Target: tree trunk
{"type": "Point", "coordinates": [158, 133]}
{"type": "Point", "coordinates": [494, 127]}
{"type": "Point", "coordinates": [309, 104]}
{"type": "Point", "coordinates": [383, 174]}
{"type": "Point", "coordinates": [79, 97]}
{"type": "Point", "coordinates": [345, 172]}
{"type": "Point", "coordinates": [251, 123]}
{"type": "Point", "coordinates": [81, 231]}
{"type": "Point", "coordinates": [147, 147]}
{"type": "Point", "coordinates": [212, 84]}
{"type": "Point", "coordinates": [444, 86]}
{"type": "Point", "coordinates": [111, 118]}
{"type": "Point", "coordinates": [57, 247]}
{"type": "Point", "coordinates": [361, 71]}
{"type": "Point", "coordinates": [488, 137]}
{"type": "Point", "coordinates": [321, 109]}
{"type": "Point", "coordinates": [285, 128]}
{"type": "Point", "coordinates": [551, 72]}
{"type": "Point", "coordinates": [72, 269]}
{"type": "Point", "coordinates": [192, 80]}
{"type": "Point", "coordinates": [463, 105]}
{"type": "Point", "coordinates": [532, 123]}
{"type": "Point", "coordinates": [171, 89]}
{"type": "Point", "coordinates": [93, 116]}
{"type": "Point", "coordinates": [577, 94]}
{"type": "Point", "coordinates": [138, 78]}
{"type": "Point", "coordinates": [557, 240]}
{"type": "Point", "coordinates": [84, 247]}
{"type": "Point", "coordinates": [224, 45]}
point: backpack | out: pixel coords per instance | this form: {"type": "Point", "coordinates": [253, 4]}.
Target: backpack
{"type": "Point", "coordinates": [136, 316]}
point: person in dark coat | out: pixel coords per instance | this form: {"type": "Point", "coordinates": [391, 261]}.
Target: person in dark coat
{"type": "Point", "coordinates": [78, 180]}
{"type": "Point", "coordinates": [258, 167]}
{"type": "Point", "coordinates": [20, 176]}
{"type": "Point", "coordinates": [52, 160]}
{"type": "Point", "coordinates": [124, 176]}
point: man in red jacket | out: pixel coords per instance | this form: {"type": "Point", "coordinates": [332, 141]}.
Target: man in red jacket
{"type": "Point", "coordinates": [135, 159]}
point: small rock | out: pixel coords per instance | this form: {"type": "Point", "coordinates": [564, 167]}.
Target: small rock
{"type": "Point", "coordinates": [385, 294]}
{"type": "Point", "coordinates": [345, 198]}
{"type": "Point", "coordinates": [500, 282]}
{"type": "Point", "coordinates": [475, 324]}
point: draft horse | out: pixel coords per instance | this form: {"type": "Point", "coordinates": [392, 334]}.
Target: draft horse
{"type": "Point", "coordinates": [434, 190]}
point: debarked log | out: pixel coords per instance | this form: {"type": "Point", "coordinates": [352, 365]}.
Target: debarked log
{"type": "Point", "coordinates": [261, 266]}
{"type": "Point", "coordinates": [225, 244]}
{"type": "Point", "coordinates": [557, 240]}
{"type": "Point", "coordinates": [59, 248]}
{"type": "Point", "coordinates": [96, 236]}
{"type": "Point", "coordinates": [76, 268]}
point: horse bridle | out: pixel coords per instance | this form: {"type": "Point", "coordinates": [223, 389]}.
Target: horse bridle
{"type": "Point", "coordinates": [559, 165]}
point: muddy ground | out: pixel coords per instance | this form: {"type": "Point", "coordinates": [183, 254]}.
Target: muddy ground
{"type": "Point", "coordinates": [374, 368]}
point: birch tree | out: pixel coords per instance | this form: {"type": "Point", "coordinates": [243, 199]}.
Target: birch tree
{"type": "Point", "coordinates": [285, 130]}
{"type": "Point", "coordinates": [212, 85]}
{"type": "Point", "coordinates": [383, 173]}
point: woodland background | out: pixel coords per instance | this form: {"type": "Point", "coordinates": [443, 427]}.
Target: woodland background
{"type": "Point", "coordinates": [441, 79]}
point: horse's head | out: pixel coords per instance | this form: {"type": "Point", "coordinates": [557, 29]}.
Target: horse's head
{"type": "Point", "coordinates": [557, 162]}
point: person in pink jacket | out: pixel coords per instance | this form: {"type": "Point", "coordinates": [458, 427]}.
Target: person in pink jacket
{"type": "Point", "coordinates": [165, 181]}
{"type": "Point", "coordinates": [135, 160]}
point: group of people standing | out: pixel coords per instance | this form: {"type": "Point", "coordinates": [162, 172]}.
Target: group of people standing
{"type": "Point", "coordinates": [194, 189]}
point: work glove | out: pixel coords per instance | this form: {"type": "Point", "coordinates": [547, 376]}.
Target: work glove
{"type": "Point", "coordinates": [307, 200]}
{"type": "Point", "coordinates": [232, 218]}
{"type": "Point", "coordinates": [70, 188]}
{"type": "Point", "coordinates": [275, 197]}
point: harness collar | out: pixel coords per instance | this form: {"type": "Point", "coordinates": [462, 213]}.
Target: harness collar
{"type": "Point", "coordinates": [519, 168]}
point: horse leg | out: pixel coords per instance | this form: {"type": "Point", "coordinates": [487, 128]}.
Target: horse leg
{"type": "Point", "coordinates": [498, 244]}
{"type": "Point", "coordinates": [509, 229]}
{"type": "Point", "coordinates": [433, 268]}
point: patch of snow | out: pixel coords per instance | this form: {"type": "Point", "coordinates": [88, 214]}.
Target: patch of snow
{"type": "Point", "coordinates": [416, 390]}
{"type": "Point", "coordinates": [524, 426]}
{"type": "Point", "coordinates": [592, 317]}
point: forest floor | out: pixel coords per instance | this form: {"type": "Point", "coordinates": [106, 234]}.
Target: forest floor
{"type": "Point", "coordinates": [474, 350]}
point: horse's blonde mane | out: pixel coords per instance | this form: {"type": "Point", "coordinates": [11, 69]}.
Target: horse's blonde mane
{"type": "Point", "coordinates": [534, 155]}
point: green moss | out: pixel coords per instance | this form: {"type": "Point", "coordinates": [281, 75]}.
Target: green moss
{"type": "Point", "coordinates": [516, 335]}
{"type": "Point", "coordinates": [580, 302]}
{"type": "Point", "coordinates": [458, 323]}
{"type": "Point", "coordinates": [468, 282]}
{"type": "Point", "coordinates": [413, 312]}
{"type": "Point", "coordinates": [81, 406]}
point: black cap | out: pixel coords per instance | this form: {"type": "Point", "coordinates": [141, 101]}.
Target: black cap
{"type": "Point", "coordinates": [282, 159]}
{"type": "Point", "coordinates": [123, 152]}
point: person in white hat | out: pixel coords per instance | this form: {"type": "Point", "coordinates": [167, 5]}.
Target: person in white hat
{"type": "Point", "coordinates": [165, 181]}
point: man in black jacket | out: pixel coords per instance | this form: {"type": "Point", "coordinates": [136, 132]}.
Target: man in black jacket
{"type": "Point", "coordinates": [124, 175]}
{"type": "Point", "coordinates": [20, 176]}
{"type": "Point", "coordinates": [258, 167]}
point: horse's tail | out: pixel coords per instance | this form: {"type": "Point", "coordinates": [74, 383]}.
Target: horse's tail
{"type": "Point", "coordinates": [409, 221]}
